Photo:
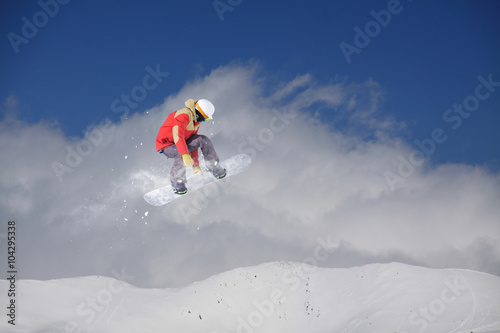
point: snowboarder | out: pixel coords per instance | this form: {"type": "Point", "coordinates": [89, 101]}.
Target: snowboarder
{"type": "Point", "coordinates": [178, 138]}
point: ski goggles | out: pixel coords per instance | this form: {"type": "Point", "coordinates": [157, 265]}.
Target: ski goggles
{"type": "Point", "coordinates": [198, 108]}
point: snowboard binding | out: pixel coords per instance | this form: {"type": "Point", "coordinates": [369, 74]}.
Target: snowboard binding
{"type": "Point", "coordinates": [218, 171]}
{"type": "Point", "coordinates": [179, 187]}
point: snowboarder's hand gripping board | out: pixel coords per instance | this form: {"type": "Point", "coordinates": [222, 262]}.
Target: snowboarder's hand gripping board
{"type": "Point", "coordinates": [164, 195]}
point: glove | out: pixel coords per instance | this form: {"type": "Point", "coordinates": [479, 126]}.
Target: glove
{"type": "Point", "coordinates": [188, 160]}
{"type": "Point", "coordinates": [197, 169]}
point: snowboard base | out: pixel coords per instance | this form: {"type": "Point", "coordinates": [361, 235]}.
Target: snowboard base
{"type": "Point", "coordinates": [164, 195]}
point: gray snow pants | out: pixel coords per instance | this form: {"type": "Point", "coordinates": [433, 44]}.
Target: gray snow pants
{"type": "Point", "coordinates": [196, 141]}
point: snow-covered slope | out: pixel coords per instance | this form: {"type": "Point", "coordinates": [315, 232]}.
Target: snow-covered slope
{"type": "Point", "coordinates": [275, 297]}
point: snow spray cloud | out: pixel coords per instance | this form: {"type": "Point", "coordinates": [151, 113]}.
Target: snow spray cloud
{"type": "Point", "coordinates": [201, 200]}
{"type": "Point", "coordinates": [454, 117]}
{"type": "Point", "coordinates": [372, 29]}
{"type": "Point", "coordinates": [30, 28]}
{"type": "Point", "coordinates": [99, 135]}
{"type": "Point", "coordinates": [278, 123]}
{"type": "Point", "coordinates": [251, 146]}
{"type": "Point", "coordinates": [102, 134]}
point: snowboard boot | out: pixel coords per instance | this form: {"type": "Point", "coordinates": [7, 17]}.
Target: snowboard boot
{"type": "Point", "coordinates": [218, 171]}
{"type": "Point", "coordinates": [179, 187]}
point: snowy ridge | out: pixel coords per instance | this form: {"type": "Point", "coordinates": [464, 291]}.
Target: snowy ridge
{"type": "Point", "coordinates": [274, 297]}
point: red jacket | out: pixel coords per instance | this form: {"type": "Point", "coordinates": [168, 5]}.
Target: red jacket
{"type": "Point", "coordinates": [179, 126]}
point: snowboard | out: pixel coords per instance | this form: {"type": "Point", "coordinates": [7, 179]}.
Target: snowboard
{"type": "Point", "coordinates": [163, 195]}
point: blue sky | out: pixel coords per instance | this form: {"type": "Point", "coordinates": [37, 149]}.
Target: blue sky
{"type": "Point", "coordinates": [427, 58]}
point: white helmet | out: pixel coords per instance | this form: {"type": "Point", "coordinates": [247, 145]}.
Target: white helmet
{"type": "Point", "coordinates": [206, 108]}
